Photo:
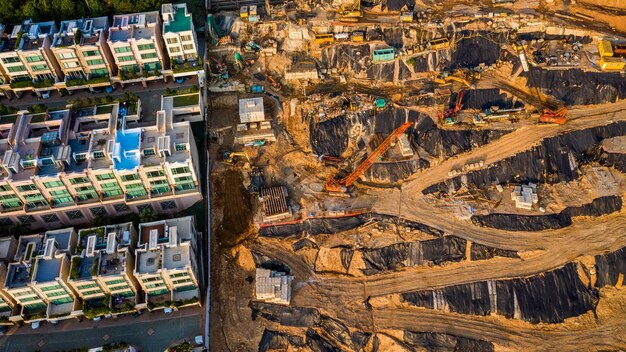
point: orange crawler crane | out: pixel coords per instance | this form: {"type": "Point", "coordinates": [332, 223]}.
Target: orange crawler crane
{"type": "Point", "coordinates": [553, 116]}
{"type": "Point", "coordinates": [340, 186]}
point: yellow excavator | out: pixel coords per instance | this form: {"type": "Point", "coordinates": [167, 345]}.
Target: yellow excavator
{"type": "Point", "coordinates": [239, 159]}
{"type": "Point", "coordinates": [351, 10]}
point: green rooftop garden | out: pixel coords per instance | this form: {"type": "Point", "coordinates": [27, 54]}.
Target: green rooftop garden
{"type": "Point", "coordinates": [7, 118]}
{"type": "Point", "coordinates": [83, 82]}
{"type": "Point", "coordinates": [104, 109]}
{"type": "Point", "coordinates": [186, 100]}
{"type": "Point", "coordinates": [21, 84]}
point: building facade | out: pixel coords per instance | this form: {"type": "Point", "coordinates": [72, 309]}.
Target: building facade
{"type": "Point", "coordinates": [135, 41]}
{"type": "Point", "coordinates": [166, 265]}
{"type": "Point", "coordinates": [81, 49]}
{"type": "Point", "coordinates": [179, 35]}
{"type": "Point", "coordinates": [65, 168]}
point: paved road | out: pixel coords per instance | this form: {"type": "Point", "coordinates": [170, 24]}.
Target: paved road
{"type": "Point", "coordinates": [149, 332]}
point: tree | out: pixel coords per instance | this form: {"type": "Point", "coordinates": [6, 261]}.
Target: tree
{"type": "Point", "coordinates": [146, 215]}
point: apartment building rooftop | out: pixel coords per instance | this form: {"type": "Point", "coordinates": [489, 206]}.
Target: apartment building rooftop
{"type": "Point", "coordinates": [177, 19]}
{"type": "Point", "coordinates": [82, 31]}
{"type": "Point", "coordinates": [28, 247]}
{"type": "Point", "coordinates": [167, 231]}
{"type": "Point", "coordinates": [126, 153]}
{"type": "Point", "coordinates": [40, 137]}
{"type": "Point", "coordinates": [149, 262]}
{"type": "Point", "coordinates": [36, 35]}
{"type": "Point", "coordinates": [10, 37]}
{"type": "Point", "coordinates": [64, 238]}
{"type": "Point", "coordinates": [176, 257]}
{"type": "Point", "coordinates": [18, 275]}
{"type": "Point", "coordinates": [7, 248]}
{"type": "Point", "coordinates": [47, 268]}
{"type": "Point", "coordinates": [112, 263]}
{"type": "Point", "coordinates": [136, 25]}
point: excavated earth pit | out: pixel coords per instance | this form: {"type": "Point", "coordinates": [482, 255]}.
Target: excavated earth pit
{"type": "Point", "coordinates": [332, 137]}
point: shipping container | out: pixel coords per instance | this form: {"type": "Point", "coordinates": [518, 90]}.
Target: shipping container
{"type": "Point", "coordinates": [380, 55]}
{"type": "Point", "coordinates": [324, 38]}
{"type": "Point", "coordinates": [439, 43]}
{"type": "Point", "coordinates": [243, 12]}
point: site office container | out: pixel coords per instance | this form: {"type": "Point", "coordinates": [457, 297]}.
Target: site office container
{"type": "Point", "coordinates": [322, 38]}
{"type": "Point", "coordinates": [357, 36]}
{"type": "Point", "coordinates": [439, 43]}
{"type": "Point", "coordinates": [383, 55]}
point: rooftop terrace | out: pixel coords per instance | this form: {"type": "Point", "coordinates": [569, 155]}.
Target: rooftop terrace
{"type": "Point", "coordinates": [126, 152]}
{"type": "Point", "coordinates": [181, 21]}
{"type": "Point", "coordinates": [18, 275]}
{"type": "Point", "coordinates": [47, 269]}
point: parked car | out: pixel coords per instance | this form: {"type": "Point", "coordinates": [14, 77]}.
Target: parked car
{"type": "Point", "coordinates": [35, 325]}
{"type": "Point", "coordinates": [45, 95]}
{"type": "Point", "coordinates": [168, 310]}
{"type": "Point", "coordinates": [98, 318]}
{"type": "Point", "coordinates": [259, 76]}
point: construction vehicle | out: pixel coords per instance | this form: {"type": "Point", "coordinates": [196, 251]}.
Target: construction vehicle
{"type": "Point", "coordinates": [406, 17]}
{"type": "Point", "coordinates": [257, 89]}
{"type": "Point", "coordinates": [334, 185]}
{"type": "Point", "coordinates": [448, 116]}
{"type": "Point", "coordinates": [329, 160]}
{"type": "Point", "coordinates": [547, 114]}
{"type": "Point", "coordinates": [357, 36]}
{"type": "Point", "coordinates": [243, 12]}
{"type": "Point", "coordinates": [274, 83]}
{"type": "Point", "coordinates": [239, 159]}
{"type": "Point", "coordinates": [251, 46]}
{"type": "Point", "coordinates": [448, 79]}
{"type": "Point", "coordinates": [351, 10]}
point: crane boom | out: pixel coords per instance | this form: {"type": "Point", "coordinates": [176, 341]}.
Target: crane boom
{"type": "Point", "coordinates": [334, 185]}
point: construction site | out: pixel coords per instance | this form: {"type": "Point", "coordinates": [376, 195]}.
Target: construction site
{"type": "Point", "coordinates": [417, 175]}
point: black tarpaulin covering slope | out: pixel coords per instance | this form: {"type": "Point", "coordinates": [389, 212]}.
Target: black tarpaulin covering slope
{"type": "Point", "coordinates": [609, 266]}
{"type": "Point", "coordinates": [549, 162]}
{"type": "Point", "coordinates": [550, 297]}
{"type": "Point", "coordinates": [275, 340]}
{"type": "Point", "coordinates": [485, 98]}
{"type": "Point", "coordinates": [473, 51]}
{"type": "Point", "coordinates": [577, 87]}
{"type": "Point", "coordinates": [445, 143]}
{"type": "Point", "coordinates": [439, 342]}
